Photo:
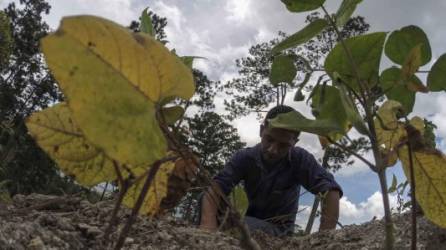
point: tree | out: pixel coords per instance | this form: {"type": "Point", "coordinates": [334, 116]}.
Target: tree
{"type": "Point", "coordinates": [26, 86]}
{"type": "Point", "coordinates": [252, 91]}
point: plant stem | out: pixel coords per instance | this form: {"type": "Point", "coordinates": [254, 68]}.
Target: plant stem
{"type": "Point", "coordinates": [371, 165]}
{"type": "Point", "coordinates": [312, 215]}
{"type": "Point", "coordinates": [389, 242]}
{"type": "Point", "coordinates": [139, 202]}
{"type": "Point", "coordinates": [413, 198]}
{"type": "Point", "coordinates": [103, 192]}
{"type": "Point", "coordinates": [122, 192]}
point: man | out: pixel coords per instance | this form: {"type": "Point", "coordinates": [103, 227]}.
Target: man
{"type": "Point", "coordinates": [272, 172]}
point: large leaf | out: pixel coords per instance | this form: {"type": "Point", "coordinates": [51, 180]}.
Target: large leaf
{"type": "Point", "coordinates": [395, 88]}
{"type": "Point", "coordinates": [295, 121]}
{"type": "Point", "coordinates": [282, 70]}
{"type": "Point", "coordinates": [402, 41]}
{"type": "Point", "coordinates": [429, 168]}
{"type": "Point", "coordinates": [345, 11]}
{"type": "Point", "coordinates": [113, 79]}
{"type": "Point", "coordinates": [168, 186]}
{"type": "Point", "coordinates": [327, 100]}
{"type": "Point", "coordinates": [366, 51]}
{"type": "Point", "coordinates": [436, 80]}
{"type": "Point", "coordinates": [301, 36]}
{"type": "Point", "coordinates": [58, 135]}
{"type": "Point", "coordinates": [302, 5]}
{"type": "Point", "coordinates": [146, 23]}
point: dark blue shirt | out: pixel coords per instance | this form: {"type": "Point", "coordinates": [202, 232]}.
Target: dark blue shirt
{"type": "Point", "coordinates": [274, 192]}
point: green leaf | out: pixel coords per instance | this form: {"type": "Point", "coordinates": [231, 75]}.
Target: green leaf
{"type": "Point", "coordinates": [395, 89]}
{"type": "Point", "coordinates": [352, 113]}
{"type": "Point", "coordinates": [146, 23]}
{"type": "Point", "coordinates": [239, 199]}
{"type": "Point", "coordinates": [366, 51]}
{"type": "Point", "coordinates": [392, 187]}
{"type": "Point", "coordinates": [295, 121]}
{"type": "Point", "coordinates": [282, 70]}
{"type": "Point", "coordinates": [345, 11]}
{"type": "Point", "coordinates": [189, 60]}
{"type": "Point", "coordinates": [436, 80]}
{"type": "Point", "coordinates": [327, 101]}
{"type": "Point", "coordinates": [301, 36]}
{"type": "Point", "coordinates": [402, 41]}
{"type": "Point", "coordinates": [113, 79]}
{"type": "Point", "coordinates": [302, 5]}
{"type": "Point", "coordinates": [172, 114]}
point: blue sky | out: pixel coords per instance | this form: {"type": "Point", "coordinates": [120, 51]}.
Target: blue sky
{"type": "Point", "coordinates": [223, 30]}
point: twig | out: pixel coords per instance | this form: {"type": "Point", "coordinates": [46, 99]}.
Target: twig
{"type": "Point", "coordinates": [122, 191]}
{"type": "Point", "coordinates": [413, 198]}
{"type": "Point", "coordinates": [372, 166]}
{"type": "Point", "coordinates": [150, 177]}
{"type": "Point", "coordinates": [103, 192]}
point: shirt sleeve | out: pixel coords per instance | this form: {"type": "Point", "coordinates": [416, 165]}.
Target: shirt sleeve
{"type": "Point", "coordinates": [231, 174]}
{"type": "Point", "coordinates": [313, 177]}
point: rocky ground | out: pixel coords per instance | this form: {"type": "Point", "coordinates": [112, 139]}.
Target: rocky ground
{"type": "Point", "coordinates": [50, 222]}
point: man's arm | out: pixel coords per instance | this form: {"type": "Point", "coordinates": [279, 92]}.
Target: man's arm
{"type": "Point", "coordinates": [330, 210]}
{"type": "Point", "coordinates": [225, 180]}
{"type": "Point", "coordinates": [209, 208]}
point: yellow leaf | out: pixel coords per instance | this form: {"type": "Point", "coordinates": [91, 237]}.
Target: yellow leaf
{"type": "Point", "coordinates": [58, 135]}
{"type": "Point", "coordinates": [418, 123]}
{"type": "Point", "coordinates": [412, 62]}
{"type": "Point", "coordinates": [388, 114]}
{"type": "Point", "coordinates": [388, 141]}
{"type": "Point", "coordinates": [389, 131]}
{"type": "Point", "coordinates": [430, 187]}
{"type": "Point", "coordinates": [169, 185]}
{"type": "Point", "coordinates": [114, 80]}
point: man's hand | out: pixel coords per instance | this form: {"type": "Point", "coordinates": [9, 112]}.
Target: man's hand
{"type": "Point", "coordinates": [209, 209]}
{"type": "Point", "coordinates": [330, 210]}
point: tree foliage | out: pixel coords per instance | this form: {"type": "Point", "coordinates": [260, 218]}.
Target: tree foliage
{"type": "Point", "coordinates": [252, 91]}
{"type": "Point", "coordinates": [26, 86]}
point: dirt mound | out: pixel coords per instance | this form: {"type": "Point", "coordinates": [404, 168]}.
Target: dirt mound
{"type": "Point", "coordinates": [51, 222]}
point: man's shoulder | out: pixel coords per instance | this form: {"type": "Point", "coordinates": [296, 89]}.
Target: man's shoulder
{"type": "Point", "coordinates": [300, 155]}
{"type": "Point", "coordinates": [299, 152]}
{"type": "Point", "coordinates": [247, 152]}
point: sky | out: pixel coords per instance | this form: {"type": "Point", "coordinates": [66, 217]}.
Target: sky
{"type": "Point", "coordinates": [224, 30]}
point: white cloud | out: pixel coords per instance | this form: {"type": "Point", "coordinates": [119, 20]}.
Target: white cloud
{"type": "Point", "coordinates": [120, 11]}
{"type": "Point", "coordinates": [174, 14]}
{"type": "Point", "coordinates": [238, 10]}
{"type": "Point", "coordinates": [351, 213]}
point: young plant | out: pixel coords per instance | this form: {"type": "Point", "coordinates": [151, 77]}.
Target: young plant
{"type": "Point", "coordinates": [355, 99]}
{"type": "Point", "coordinates": [119, 89]}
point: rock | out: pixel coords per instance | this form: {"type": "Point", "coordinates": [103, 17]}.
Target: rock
{"type": "Point", "coordinates": [36, 244]}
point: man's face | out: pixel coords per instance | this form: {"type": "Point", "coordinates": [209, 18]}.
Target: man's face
{"type": "Point", "coordinates": [276, 143]}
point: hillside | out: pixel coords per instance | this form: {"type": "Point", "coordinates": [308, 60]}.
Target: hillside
{"type": "Point", "coordinates": [50, 222]}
